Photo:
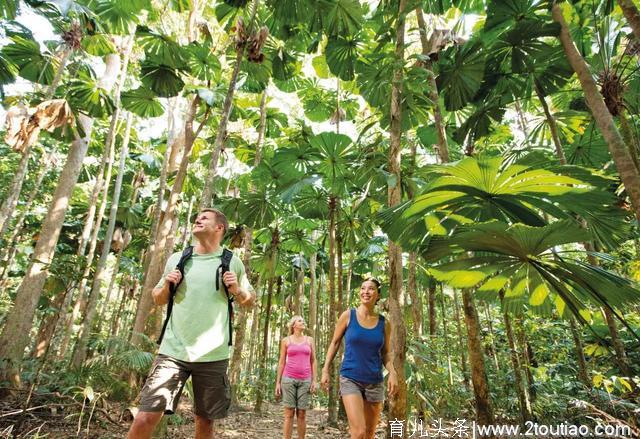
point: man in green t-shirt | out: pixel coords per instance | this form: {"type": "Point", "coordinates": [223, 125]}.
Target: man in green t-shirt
{"type": "Point", "coordinates": [196, 341]}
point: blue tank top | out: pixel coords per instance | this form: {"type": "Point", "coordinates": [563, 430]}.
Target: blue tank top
{"type": "Point", "coordinates": [362, 359]}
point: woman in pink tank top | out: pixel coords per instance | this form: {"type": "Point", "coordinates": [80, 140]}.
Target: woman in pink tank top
{"type": "Point", "coordinates": [296, 376]}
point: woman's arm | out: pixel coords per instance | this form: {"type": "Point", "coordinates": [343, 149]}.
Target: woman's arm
{"type": "Point", "coordinates": [313, 365]}
{"type": "Point", "coordinates": [281, 363]}
{"type": "Point", "coordinates": [341, 327]}
{"type": "Point", "coordinates": [387, 360]}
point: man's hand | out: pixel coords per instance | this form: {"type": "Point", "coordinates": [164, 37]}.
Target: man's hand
{"type": "Point", "coordinates": [230, 279]}
{"type": "Point", "coordinates": [312, 389]}
{"type": "Point", "coordinates": [174, 277]}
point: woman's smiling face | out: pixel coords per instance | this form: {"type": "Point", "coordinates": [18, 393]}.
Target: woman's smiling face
{"type": "Point", "coordinates": [369, 293]}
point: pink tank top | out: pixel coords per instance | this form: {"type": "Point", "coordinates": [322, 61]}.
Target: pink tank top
{"type": "Point", "coordinates": [298, 362]}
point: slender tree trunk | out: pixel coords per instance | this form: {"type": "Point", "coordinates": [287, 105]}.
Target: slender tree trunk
{"type": "Point", "coordinates": [397, 405]}
{"type": "Point", "coordinates": [236, 360]}
{"type": "Point", "coordinates": [443, 146]}
{"type": "Point", "coordinates": [461, 348]}
{"type": "Point", "coordinates": [112, 283]}
{"type": "Point", "coordinates": [221, 133]}
{"type": "Point", "coordinates": [81, 300]}
{"type": "Point", "coordinates": [332, 409]}
{"type": "Point", "coordinates": [632, 15]}
{"type": "Point", "coordinates": [123, 294]}
{"type": "Point", "coordinates": [8, 251]}
{"type": "Point", "coordinates": [525, 405]}
{"type": "Point", "coordinates": [13, 193]}
{"type": "Point", "coordinates": [494, 351]}
{"type": "Point", "coordinates": [522, 122]}
{"type": "Point", "coordinates": [80, 353]}
{"type": "Point", "coordinates": [64, 59]}
{"type": "Point", "coordinates": [15, 335]}
{"type": "Point", "coordinates": [157, 259]}
{"type": "Point", "coordinates": [45, 333]}
{"type": "Point", "coordinates": [265, 341]}
{"type": "Point", "coordinates": [630, 139]}
{"type": "Point", "coordinates": [619, 150]}
{"type": "Point", "coordinates": [528, 359]}
{"type": "Point", "coordinates": [433, 323]}
{"type": "Point", "coordinates": [313, 304]}
{"type": "Point", "coordinates": [553, 125]}
{"type": "Point", "coordinates": [583, 374]}
{"type": "Point", "coordinates": [255, 324]}
{"type": "Point", "coordinates": [445, 335]}
{"type": "Point", "coordinates": [186, 230]}
{"type": "Point", "coordinates": [412, 290]}
{"type": "Point", "coordinates": [484, 410]}
{"type": "Point", "coordinates": [297, 302]}
{"type": "Point", "coordinates": [618, 346]}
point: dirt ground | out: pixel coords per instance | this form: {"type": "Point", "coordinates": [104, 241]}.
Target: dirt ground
{"type": "Point", "coordinates": [60, 421]}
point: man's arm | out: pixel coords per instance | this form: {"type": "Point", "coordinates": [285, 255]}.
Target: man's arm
{"type": "Point", "coordinates": [243, 296]}
{"type": "Point", "coordinates": [161, 295]}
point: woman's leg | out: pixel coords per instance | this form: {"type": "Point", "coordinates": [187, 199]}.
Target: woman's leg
{"type": "Point", "coordinates": [301, 418]}
{"type": "Point", "coordinates": [354, 406]}
{"type": "Point", "coordinates": [288, 421]}
{"type": "Point", "coordinates": [372, 412]}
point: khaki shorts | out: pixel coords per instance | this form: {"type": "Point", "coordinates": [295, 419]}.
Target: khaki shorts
{"type": "Point", "coordinates": [164, 384]}
{"type": "Point", "coordinates": [296, 394]}
{"type": "Point", "coordinates": [369, 392]}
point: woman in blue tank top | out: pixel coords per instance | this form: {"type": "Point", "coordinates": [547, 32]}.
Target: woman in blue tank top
{"type": "Point", "coordinates": [366, 350]}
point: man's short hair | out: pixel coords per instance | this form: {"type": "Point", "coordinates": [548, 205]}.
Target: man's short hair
{"type": "Point", "coordinates": [219, 216]}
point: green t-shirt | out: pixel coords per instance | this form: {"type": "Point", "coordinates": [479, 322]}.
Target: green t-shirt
{"type": "Point", "coordinates": [198, 329]}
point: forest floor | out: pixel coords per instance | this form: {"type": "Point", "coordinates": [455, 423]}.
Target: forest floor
{"type": "Point", "coordinates": [54, 419]}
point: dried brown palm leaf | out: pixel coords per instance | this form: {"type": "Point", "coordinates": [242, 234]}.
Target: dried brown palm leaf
{"type": "Point", "coordinates": [23, 127]}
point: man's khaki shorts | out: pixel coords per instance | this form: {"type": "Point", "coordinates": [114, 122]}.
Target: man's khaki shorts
{"type": "Point", "coordinates": [164, 384]}
{"type": "Point", "coordinates": [296, 394]}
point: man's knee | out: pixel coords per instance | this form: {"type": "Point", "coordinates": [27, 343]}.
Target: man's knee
{"type": "Point", "coordinates": [144, 422]}
{"type": "Point", "coordinates": [301, 414]}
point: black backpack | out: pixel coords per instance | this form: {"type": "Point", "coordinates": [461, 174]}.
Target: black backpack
{"type": "Point", "coordinates": [221, 270]}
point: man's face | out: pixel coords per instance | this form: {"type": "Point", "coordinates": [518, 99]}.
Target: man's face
{"type": "Point", "coordinates": [205, 224]}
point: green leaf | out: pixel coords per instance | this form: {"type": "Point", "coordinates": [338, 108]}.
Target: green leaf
{"type": "Point", "coordinates": [461, 73]}
{"type": "Point", "coordinates": [291, 12]}
{"type": "Point", "coordinates": [163, 80]}
{"type": "Point", "coordinates": [119, 16]}
{"type": "Point", "coordinates": [342, 54]}
{"type": "Point", "coordinates": [284, 64]}
{"type": "Point", "coordinates": [31, 63]}
{"type": "Point", "coordinates": [162, 49]}
{"type": "Point", "coordinates": [8, 9]}
{"type": "Point", "coordinates": [341, 17]}
{"type": "Point", "coordinates": [87, 96]}
{"type": "Point", "coordinates": [320, 66]}
{"type": "Point", "coordinates": [202, 62]}
{"type": "Point", "coordinates": [8, 70]}
{"type": "Point", "coordinates": [98, 45]}
{"type": "Point", "coordinates": [255, 76]}
{"type": "Point", "coordinates": [142, 102]}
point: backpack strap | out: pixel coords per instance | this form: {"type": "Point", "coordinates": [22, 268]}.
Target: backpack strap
{"type": "Point", "coordinates": [186, 255]}
{"type": "Point", "coordinates": [225, 263]}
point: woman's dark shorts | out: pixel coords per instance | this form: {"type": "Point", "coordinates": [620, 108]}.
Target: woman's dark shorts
{"type": "Point", "coordinates": [369, 392]}
{"type": "Point", "coordinates": [164, 384]}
